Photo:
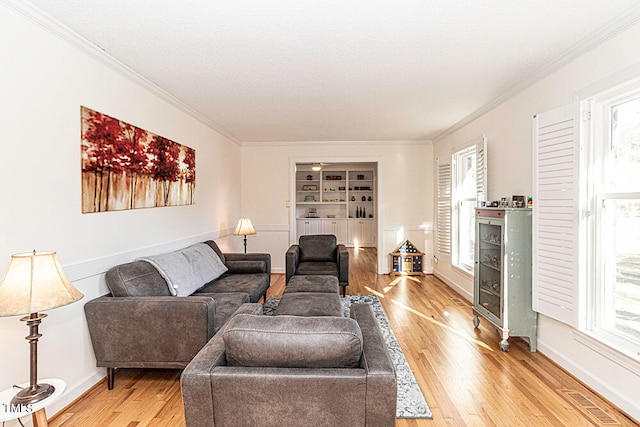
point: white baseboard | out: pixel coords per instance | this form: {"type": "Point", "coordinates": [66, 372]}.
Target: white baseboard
{"type": "Point", "coordinates": [73, 393]}
{"type": "Point", "coordinates": [601, 386]}
{"type": "Point", "coordinates": [453, 285]}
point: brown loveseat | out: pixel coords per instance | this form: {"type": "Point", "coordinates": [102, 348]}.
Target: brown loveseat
{"type": "Point", "coordinates": [141, 325]}
{"type": "Point", "coordinates": [293, 371]}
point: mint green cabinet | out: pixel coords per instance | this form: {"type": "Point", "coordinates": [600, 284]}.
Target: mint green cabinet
{"type": "Point", "coordinates": [502, 274]}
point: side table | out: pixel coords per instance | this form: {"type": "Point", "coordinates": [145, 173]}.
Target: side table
{"type": "Point", "coordinates": [36, 410]}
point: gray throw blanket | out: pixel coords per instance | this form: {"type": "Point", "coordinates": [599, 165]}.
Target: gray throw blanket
{"type": "Point", "coordinates": [188, 269]}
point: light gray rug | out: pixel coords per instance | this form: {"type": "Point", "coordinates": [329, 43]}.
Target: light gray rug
{"type": "Point", "coordinates": [411, 402]}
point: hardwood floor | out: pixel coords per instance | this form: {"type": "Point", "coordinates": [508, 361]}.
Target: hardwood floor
{"type": "Point", "coordinates": [465, 378]}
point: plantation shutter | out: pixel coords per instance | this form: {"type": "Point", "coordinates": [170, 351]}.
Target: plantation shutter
{"type": "Point", "coordinates": [481, 169]}
{"type": "Point", "coordinates": [443, 217]}
{"type": "Point", "coordinates": [556, 215]}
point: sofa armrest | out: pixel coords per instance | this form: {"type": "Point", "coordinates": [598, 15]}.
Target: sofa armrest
{"type": "Point", "coordinates": [238, 263]}
{"type": "Point", "coordinates": [164, 331]}
{"type": "Point", "coordinates": [343, 265]}
{"type": "Point", "coordinates": [292, 257]}
{"type": "Point", "coordinates": [382, 387]}
{"type": "Point", "coordinates": [195, 381]}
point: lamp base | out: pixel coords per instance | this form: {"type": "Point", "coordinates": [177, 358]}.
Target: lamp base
{"type": "Point", "coordinates": [33, 394]}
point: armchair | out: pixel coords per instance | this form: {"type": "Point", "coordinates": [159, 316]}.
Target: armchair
{"type": "Point", "coordinates": [291, 370]}
{"type": "Point", "coordinates": [318, 254]}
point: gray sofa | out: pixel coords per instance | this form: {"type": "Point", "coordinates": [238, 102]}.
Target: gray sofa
{"type": "Point", "coordinates": [292, 370]}
{"type": "Point", "coordinates": [318, 254]}
{"type": "Point", "coordinates": [140, 324]}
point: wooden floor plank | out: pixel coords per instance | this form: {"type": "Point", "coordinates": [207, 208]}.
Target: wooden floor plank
{"type": "Point", "coordinates": [465, 378]}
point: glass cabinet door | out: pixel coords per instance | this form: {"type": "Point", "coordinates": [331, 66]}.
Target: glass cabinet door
{"type": "Point", "coordinates": [489, 286]}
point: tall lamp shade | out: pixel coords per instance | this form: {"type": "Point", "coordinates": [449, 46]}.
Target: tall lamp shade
{"type": "Point", "coordinates": [244, 228]}
{"type": "Point", "coordinates": [34, 282]}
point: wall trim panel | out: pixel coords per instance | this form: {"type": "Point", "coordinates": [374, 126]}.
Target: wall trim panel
{"type": "Point", "coordinates": [84, 269]}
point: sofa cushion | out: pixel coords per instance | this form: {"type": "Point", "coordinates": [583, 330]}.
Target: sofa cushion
{"type": "Point", "coordinates": [253, 284]}
{"type": "Point", "coordinates": [226, 304]}
{"type": "Point", "coordinates": [246, 266]}
{"type": "Point", "coordinates": [292, 342]}
{"type": "Point", "coordinates": [317, 269]}
{"type": "Point", "coordinates": [186, 270]}
{"type": "Point", "coordinates": [136, 279]}
{"type": "Point", "coordinates": [322, 247]}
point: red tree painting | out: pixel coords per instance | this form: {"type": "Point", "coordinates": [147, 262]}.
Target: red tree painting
{"type": "Point", "coordinates": [125, 167]}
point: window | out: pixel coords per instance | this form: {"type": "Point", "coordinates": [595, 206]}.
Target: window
{"type": "Point", "coordinates": [586, 218]}
{"type": "Point", "coordinates": [615, 198]}
{"type": "Point", "coordinates": [463, 205]}
{"type": "Point", "coordinates": [461, 183]}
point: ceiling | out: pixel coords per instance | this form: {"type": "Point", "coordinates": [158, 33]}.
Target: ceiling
{"type": "Point", "coordinates": [340, 70]}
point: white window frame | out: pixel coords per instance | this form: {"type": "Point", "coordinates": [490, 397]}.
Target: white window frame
{"type": "Point", "coordinates": [598, 124]}
{"type": "Point", "coordinates": [457, 199]}
{"type": "Point", "coordinates": [479, 147]}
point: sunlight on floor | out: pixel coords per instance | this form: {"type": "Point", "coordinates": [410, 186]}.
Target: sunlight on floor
{"type": "Point", "coordinates": [426, 317]}
{"type": "Point", "coordinates": [398, 280]}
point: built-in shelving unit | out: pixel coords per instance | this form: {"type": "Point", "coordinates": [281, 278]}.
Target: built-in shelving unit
{"type": "Point", "coordinates": [338, 201]}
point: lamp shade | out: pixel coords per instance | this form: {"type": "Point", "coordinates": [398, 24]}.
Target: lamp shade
{"type": "Point", "coordinates": [244, 227]}
{"type": "Point", "coordinates": [35, 282]}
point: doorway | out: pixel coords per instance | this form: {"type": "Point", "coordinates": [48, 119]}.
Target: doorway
{"type": "Point", "coordinates": [339, 198]}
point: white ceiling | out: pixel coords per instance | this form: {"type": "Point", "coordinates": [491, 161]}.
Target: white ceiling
{"type": "Point", "coordinates": [341, 70]}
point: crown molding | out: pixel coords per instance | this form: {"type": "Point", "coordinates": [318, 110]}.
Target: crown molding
{"type": "Point", "coordinates": [615, 27]}
{"type": "Point", "coordinates": [65, 33]}
{"type": "Point", "coordinates": [55, 27]}
{"type": "Point", "coordinates": [328, 143]}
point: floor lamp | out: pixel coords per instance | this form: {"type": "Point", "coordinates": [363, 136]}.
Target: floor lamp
{"type": "Point", "coordinates": [34, 282]}
{"type": "Point", "coordinates": [244, 228]}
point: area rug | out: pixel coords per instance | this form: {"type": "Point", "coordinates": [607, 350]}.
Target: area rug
{"type": "Point", "coordinates": [411, 402]}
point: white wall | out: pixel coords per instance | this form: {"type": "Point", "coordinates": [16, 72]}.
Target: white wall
{"type": "Point", "coordinates": [508, 128]}
{"type": "Point", "coordinates": [404, 176]}
{"type": "Point", "coordinates": [44, 81]}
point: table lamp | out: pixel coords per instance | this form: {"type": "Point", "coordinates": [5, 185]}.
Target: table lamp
{"type": "Point", "coordinates": [34, 282]}
{"type": "Point", "coordinates": [243, 229]}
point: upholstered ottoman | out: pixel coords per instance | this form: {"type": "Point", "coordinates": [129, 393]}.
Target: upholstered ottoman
{"type": "Point", "coordinates": [313, 283]}
{"type": "Point", "coordinates": [309, 304]}
{"type": "Point", "coordinates": [313, 295]}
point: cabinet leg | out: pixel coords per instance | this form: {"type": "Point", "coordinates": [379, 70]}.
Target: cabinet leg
{"type": "Point", "coordinates": [504, 345]}
{"type": "Point", "coordinates": [476, 321]}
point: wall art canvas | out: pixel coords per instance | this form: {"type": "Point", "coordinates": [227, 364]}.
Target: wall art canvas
{"type": "Point", "coordinates": [125, 167]}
